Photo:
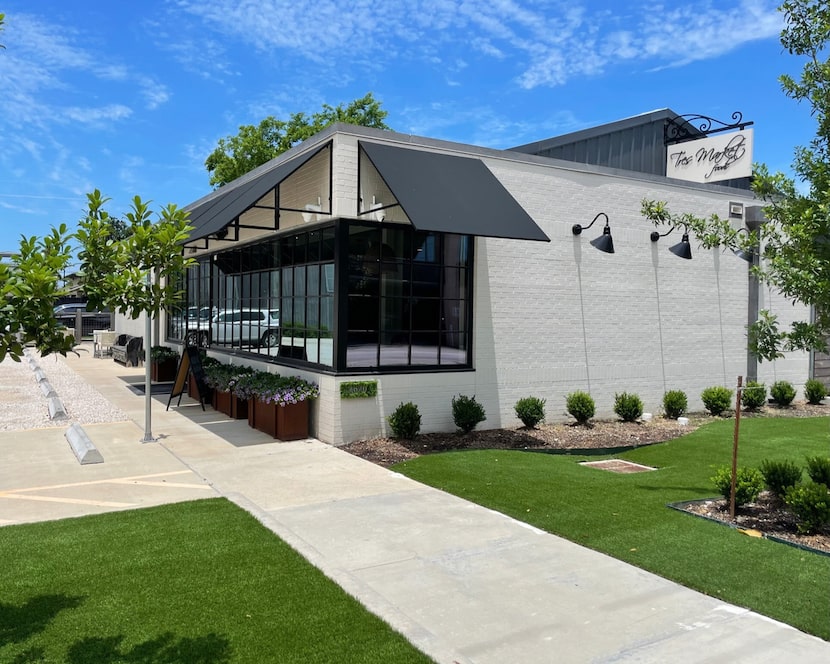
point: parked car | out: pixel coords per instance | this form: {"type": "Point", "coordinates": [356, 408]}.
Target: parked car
{"type": "Point", "coordinates": [200, 313]}
{"type": "Point", "coordinates": [66, 314]}
{"type": "Point", "coordinates": [236, 327]}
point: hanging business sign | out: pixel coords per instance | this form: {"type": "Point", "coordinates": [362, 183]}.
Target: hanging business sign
{"type": "Point", "coordinates": [711, 159]}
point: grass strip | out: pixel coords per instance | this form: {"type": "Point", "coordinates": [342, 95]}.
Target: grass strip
{"type": "Point", "coordinates": [199, 582]}
{"type": "Point", "coordinates": [626, 515]}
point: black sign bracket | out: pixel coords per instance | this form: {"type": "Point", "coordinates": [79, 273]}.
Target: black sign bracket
{"type": "Point", "coordinates": [693, 126]}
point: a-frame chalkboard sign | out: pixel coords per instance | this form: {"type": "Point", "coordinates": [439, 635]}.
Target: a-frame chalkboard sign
{"type": "Point", "coordinates": [190, 363]}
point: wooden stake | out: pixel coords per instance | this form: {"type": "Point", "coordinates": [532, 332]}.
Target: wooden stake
{"type": "Point", "coordinates": [735, 447]}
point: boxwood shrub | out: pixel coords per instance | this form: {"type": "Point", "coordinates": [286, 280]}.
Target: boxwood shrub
{"type": "Point", "coordinates": [716, 399]}
{"type": "Point", "coordinates": [581, 406]}
{"type": "Point", "coordinates": [814, 391]}
{"type": "Point", "coordinates": [748, 484]}
{"type": "Point", "coordinates": [405, 421]}
{"type": "Point", "coordinates": [782, 393]}
{"type": "Point", "coordinates": [530, 410]}
{"type": "Point", "coordinates": [754, 395]}
{"type": "Point", "coordinates": [675, 404]}
{"type": "Point", "coordinates": [628, 406]}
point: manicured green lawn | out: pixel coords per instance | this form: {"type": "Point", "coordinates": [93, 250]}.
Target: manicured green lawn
{"type": "Point", "coordinates": [626, 515]}
{"type": "Point", "coordinates": [200, 582]}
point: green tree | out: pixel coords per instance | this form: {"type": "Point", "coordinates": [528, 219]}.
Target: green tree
{"type": "Point", "coordinates": [254, 145]}
{"type": "Point", "coordinates": [794, 243]}
{"type": "Point", "coordinates": [29, 288]}
{"type": "Point", "coordinates": [116, 271]}
{"type": "Point", "coordinates": [139, 274]}
{"type": "Point", "coordinates": [119, 229]}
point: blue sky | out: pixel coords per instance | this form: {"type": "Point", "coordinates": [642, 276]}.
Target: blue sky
{"type": "Point", "coordinates": [131, 97]}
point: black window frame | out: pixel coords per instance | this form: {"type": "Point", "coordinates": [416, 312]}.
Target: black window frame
{"type": "Point", "coordinates": [277, 250]}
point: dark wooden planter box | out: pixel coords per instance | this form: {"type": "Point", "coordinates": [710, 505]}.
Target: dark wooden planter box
{"type": "Point", "coordinates": [281, 422]}
{"type": "Point", "coordinates": [292, 421]}
{"type": "Point", "coordinates": [164, 371]}
{"type": "Point", "coordinates": [230, 404]}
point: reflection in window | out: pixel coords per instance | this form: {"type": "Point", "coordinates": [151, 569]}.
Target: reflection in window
{"type": "Point", "coordinates": [266, 299]}
{"type": "Point", "coordinates": [406, 299]}
{"type": "Point", "coordinates": [407, 294]}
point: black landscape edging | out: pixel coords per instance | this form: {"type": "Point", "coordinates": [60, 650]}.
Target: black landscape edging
{"type": "Point", "coordinates": [681, 507]}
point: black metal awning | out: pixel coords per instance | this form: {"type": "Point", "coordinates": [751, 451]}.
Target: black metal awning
{"type": "Point", "coordinates": [451, 194]}
{"type": "Point", "coordinates": [214, 212]}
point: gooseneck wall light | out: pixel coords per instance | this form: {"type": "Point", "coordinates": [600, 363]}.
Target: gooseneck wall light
{"type": "Point", "coordinates": [682, 248]}
{"type": "Point", "coordinates": [604, 242]}
{"type": "Point", "coordinates": [748, 256]}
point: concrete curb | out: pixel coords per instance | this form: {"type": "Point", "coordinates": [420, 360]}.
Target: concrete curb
{"type": "Point", "coordinates": [56, 409]}
{"type": "Point", "coordinates": [82, 446]}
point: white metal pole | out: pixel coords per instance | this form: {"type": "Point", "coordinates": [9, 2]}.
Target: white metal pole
{"type": "Point", "coordinates": [148, 384]}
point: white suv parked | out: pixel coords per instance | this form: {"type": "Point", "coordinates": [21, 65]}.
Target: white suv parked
{"type": "Point", "coordinates": [238, 326]}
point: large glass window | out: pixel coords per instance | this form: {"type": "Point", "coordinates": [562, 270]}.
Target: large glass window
{"type": "Point", "coordinates": [406, 299]}
{"type": "Point", "coordinates": [274, 298]}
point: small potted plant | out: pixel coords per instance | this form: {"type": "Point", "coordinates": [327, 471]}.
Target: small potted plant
{"type": "Point", "coordinates": [163, 364]}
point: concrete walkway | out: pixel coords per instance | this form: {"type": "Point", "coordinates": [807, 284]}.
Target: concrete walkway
{"type": "Point", "coordinates": [463, 583]}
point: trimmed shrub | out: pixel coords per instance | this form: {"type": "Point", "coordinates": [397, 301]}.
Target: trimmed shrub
{"type": "Point", "coordinates": [530, 410]}
{"type": "Point", "coordinates": [748, 484]}
{"type": "Point", "coordinates": [581, 406]}
{"type": "Point", "coordinates": [628, 406]}
{"type": "Point", "coordinates": [467, 412]}
{"type": "Point", "coordinates": [780, 475]}
{"type": "Point", "coordinates": [810, 503]}
{"type": "Point", "coordinates": [818, 468]}
{"type": "Point", "coordinates": [754, 395]}
{"type": "Point", "coordinates": [814, 391]}
{"type": "Point", "coordinates": [782, 393]}
{"type": "Point", "coordinates": [716, 399]}
{"type": "Point", "coordinates": [405, 421]}
{"type": "Point", "coordinates": [675, 404]}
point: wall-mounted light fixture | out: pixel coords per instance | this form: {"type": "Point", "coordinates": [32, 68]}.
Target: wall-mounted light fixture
{"type": "Point", "coordinates": [748, 256]}
{"type": "Point", "coordinates": [604, 242]}
{"type": "Point", "coordinates": [682, 248]}
{"type": "Point", "coordinates": [222, 233]}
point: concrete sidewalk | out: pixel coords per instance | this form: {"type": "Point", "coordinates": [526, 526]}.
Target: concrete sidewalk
{"type": "Point", "coordinates": [463, 583]}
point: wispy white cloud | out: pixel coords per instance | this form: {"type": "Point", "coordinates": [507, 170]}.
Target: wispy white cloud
{"type": "Point", "coordinates": [549, 43]}
{"type": "Point", "coordinates": [482, 124]}
{"type": "Point", "coordinates": [96, 116]}
{"type": "Point", "coordinates": [154, 93]}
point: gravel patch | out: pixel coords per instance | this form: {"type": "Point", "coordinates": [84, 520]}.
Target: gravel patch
{"type": "Point", "coordinates": [23, 405]}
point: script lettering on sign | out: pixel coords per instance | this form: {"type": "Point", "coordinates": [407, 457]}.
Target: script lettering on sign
{"type": "Point", "coordinates": [711, 159]}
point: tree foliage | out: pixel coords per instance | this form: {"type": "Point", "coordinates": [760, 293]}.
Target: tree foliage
{"type": "Point", "coordinates": [137, 274]}
{"type": "Point", "coordinates": [29, 287]}
{"type": "Point", "coordinates": [256, 144]}
{"type": "Point", "coordinates": [794, 243]}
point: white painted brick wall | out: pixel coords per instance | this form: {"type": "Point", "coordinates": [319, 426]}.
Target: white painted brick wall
{"type": "Point", "coordinates": [554, 317]}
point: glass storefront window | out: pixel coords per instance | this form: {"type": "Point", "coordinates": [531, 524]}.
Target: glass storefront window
{"type": "Point", "coordinates": [406, 300]}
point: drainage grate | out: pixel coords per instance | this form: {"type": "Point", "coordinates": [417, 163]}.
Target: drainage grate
{"type": "Point", "coordinates": [618, 466]}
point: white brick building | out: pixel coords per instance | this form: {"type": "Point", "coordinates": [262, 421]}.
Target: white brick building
{"type": "Point", "coordinates": [391, 260]}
